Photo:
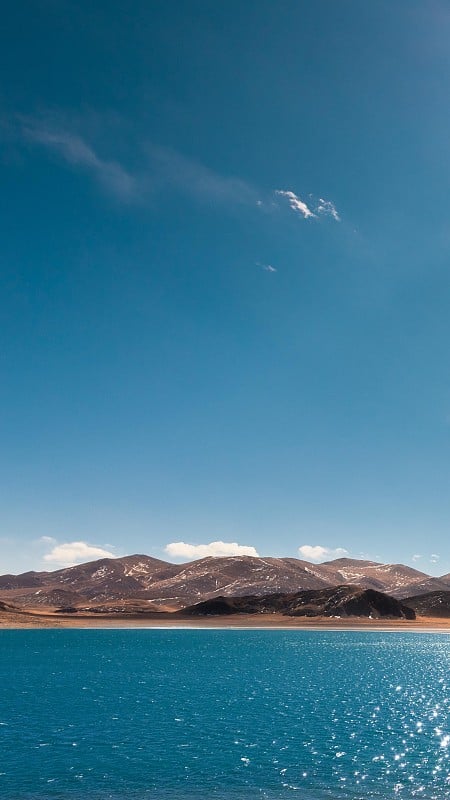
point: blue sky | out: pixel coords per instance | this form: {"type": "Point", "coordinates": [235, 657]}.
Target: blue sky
{"type": "Point", "coordinates": [225, 283]}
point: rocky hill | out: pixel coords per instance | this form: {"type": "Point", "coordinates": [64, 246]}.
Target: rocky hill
{"type": "Point", "coordinates": [433, 604]}
{"type": "Point", "coordinates": [144, 580]}
{"type": "Point", "coordinates": [342, 601]}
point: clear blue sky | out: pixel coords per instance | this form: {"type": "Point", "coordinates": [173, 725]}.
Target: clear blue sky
{"type": "Point", "coordinates": [225, 279]}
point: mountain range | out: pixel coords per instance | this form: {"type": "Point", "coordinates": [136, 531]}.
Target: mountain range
{"type": "Point", "coordinates": [146, 583]}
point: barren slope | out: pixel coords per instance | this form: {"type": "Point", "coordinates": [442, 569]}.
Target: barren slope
{"type": "Point", "coordinates": [141, 579]}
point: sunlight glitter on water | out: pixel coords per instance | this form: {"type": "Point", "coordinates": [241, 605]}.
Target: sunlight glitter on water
{"type": "Point", "coordinates": [171, 714]}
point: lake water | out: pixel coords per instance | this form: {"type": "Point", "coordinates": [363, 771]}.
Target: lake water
{"type": "Point", "coordinates": [223, 714]}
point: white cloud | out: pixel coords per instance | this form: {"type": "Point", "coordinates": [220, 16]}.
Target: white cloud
{"type": "Point", "coordinates": [328, 209]}
{"type": "Point", "coordinates": [216, 549]}
{"type": "Point", "coordinates": [70, 553]}
{"type": "Point", "coordinates": [434, 558]}
{"type": "Point", "coordinates": [296, 203]}
{"type": "Point", "coordinates": [47, 540]}
{"type": "Point", "coordinates": [318, 553]}
{"type": "Point", "coordinates": [417, 557]}
{"type": "Point", "coordinates": [323, 208]}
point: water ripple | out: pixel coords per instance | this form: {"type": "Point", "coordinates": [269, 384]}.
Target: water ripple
{"type": "Point", "coordinates": [224, 715]}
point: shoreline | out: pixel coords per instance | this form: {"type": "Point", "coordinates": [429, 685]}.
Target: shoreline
{"type": "Point", "coordinates": [29, 620]}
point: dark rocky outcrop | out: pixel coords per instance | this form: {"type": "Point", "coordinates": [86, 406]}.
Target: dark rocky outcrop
{"type": "Point", "coordinates": [433, 604]}
{"type": "Point", "coordinates": [342, 601]}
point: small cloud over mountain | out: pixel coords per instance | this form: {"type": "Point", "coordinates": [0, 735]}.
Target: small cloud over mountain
{"type": "Point", "coordinates": [319, 553]}
{"type": "Point", "coordinates": [215, 549]}
{"type": "Point", "coordinates": [70, 553]}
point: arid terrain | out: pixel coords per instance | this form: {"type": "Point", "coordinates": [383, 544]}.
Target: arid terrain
{"type": "Point", "coordinates": [142, 581]}
{"type": "Point", "coordinates": [27, 619]}
{"type": "Point", "coordinates": [236, 591]}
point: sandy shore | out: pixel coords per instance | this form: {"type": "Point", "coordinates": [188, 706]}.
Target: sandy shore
{"type": "Point", "coordinates": [33, 619]}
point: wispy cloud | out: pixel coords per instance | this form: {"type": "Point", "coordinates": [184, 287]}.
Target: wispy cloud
{"type": "Point", "coordinates": [316, 552]}
{"type": "Point", "coordinates": [215, 549]}
{"type": "Point", "coordinates": [266, 267]}
{"type": "Point", "coordinates": [193, 178]}
{"type": "Point", "coordinates": [296, 203]}
{"type": "Point", "coordinates": [417, 557]}
{"type": "Point", "coordinates": [69, 553]}
{"type": "Point", "coordinates": [161, 170]}
{"type": "Point", "coordinates": [78, 153]}
{"type": "Point", "coordinates": [434, 558]}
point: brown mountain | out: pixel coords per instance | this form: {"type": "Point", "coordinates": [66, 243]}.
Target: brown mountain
{"type": "Point", "coordinates": [234, 576]}
{"type": "Point", "coordinates": [390, 578]}
{"type": "Point", "coordinates": [142, 579]}
{"type": "Point", "coordinates": [423, 587]}
{"type": "Point", "coordinates": [105, 579]}
{"type": "Point", "coordinates": [341, 601]}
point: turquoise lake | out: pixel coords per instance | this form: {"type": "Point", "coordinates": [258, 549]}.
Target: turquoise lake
{"type": "Point", "coordinates": [223, 714]}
